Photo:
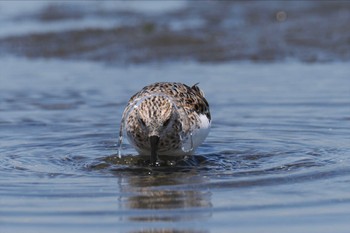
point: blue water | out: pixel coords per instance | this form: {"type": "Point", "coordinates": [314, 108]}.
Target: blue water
{"type": "Point", "coordinates": [276, 159]}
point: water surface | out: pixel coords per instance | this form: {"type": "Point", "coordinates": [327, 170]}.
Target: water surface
{"type": "Point", "coordinates": [276, 158]}
{"type": "Point", "coordinates": [277, 154]}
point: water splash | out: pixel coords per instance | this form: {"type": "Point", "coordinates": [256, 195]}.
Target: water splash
{"type": "Point", "coordinates": [120, 146]}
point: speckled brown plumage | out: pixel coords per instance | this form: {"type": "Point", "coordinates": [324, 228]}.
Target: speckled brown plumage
{"type": "Point", "coordinates": [172, 111]}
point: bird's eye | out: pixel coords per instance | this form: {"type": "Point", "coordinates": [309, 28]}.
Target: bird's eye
{"type": "Point", "coordinates": [166, 123]}
{"type": "Point", "coordinates": [142, 122]}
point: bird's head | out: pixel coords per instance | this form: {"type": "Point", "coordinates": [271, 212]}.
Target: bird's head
{"type": "Point", "coordinates": [155, 117]}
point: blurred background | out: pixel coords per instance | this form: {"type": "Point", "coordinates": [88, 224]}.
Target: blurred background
{"type": "Point", "coordinates": [166, 31]}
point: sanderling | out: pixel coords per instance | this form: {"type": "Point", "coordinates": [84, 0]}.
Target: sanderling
{"type": "Point", "coordinates": [166, 118]}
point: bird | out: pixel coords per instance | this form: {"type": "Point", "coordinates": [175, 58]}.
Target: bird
{"type": "Point", "coordinates": [166, 118]}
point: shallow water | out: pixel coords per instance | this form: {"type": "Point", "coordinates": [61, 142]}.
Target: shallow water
{"type": "Point", "coordinates": [277, 155]}
{"type": "Point", "coordinates": [145, 32]}
{"type": "Point", "coordinates": [276, 158]}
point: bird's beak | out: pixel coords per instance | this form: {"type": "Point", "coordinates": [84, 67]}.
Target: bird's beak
{"type": "Point", "coordinates": [154, 147]}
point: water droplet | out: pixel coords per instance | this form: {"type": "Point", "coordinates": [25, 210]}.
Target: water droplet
{"type": "Point", "coordinates": [281, 16]}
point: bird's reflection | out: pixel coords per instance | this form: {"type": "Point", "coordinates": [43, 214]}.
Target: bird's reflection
{"type": "Point", "coordinates": [169, 191]}
{"type": "Point", "coordinates": [155, 196]}
{"type": "Point", "coordinates": [165, 196]}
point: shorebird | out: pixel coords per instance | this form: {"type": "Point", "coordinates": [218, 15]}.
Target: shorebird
{"type": "Point", "coordinates": [166, 118]}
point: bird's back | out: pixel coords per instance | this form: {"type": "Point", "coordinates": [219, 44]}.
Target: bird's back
{"type": "Point", "coordinates": [191, 99]}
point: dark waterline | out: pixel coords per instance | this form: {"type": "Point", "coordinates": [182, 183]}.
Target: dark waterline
{"type": "Point", "coordinates": [216, 31]}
